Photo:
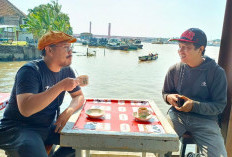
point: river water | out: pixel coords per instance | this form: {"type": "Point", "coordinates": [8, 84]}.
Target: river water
{"type": "Point", "coordinates": [114, 73]}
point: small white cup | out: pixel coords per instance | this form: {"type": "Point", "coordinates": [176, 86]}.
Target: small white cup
{"type": "Point", "coordinates": [143, 111]}
{"type": "Point", "coordinates": [83, 80]}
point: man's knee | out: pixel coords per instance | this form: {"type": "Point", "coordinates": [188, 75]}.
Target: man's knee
{"type": "Point", "coordinates": [212, 148]}
{"type": "Point", "coordinates": [175, 119]}
{"type": "Point", "coordinates": [33, 148]}
{"type": "Point", "coordinates": [30, 144]}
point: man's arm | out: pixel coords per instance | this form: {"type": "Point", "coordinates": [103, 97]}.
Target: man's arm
{"type": "Point", "coordinates": [218, 92]}
{"type": "Point", "coordinates": [169, 92]}
{"type": "Point", "coordinates": [76, 103]}
{"type": "Point", "coordinates": [30, 103]}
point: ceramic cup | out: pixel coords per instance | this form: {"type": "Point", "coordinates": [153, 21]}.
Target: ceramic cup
{"type": "Point", "coordinates": [83, 80]}
{"type": "Point", "coordinates": [143, 111]}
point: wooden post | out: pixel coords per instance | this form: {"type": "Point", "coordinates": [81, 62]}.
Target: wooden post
{"type": "Point", "coordinates": [225, 61]}
{"type": "Point", "coordinates": [17, 36]}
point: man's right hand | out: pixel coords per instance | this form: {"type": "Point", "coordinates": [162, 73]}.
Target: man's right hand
{"type": "Point", "coordinates": [172, 99]}
{"type": "Point", "coordinates": [69, 84]}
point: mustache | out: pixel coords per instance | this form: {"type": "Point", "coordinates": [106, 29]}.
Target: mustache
{"type": "Point", "coordinates": [69, 56]}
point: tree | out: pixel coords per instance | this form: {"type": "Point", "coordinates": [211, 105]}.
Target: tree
{"type": "Point", "coordinates": [47, 17]}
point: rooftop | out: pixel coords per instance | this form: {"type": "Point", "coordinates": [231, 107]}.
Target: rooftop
{"type": "Point", "coordinates": [8, 9]}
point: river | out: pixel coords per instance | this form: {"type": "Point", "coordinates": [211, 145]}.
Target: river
{"type": "Point", "coordinates": [114, 73]}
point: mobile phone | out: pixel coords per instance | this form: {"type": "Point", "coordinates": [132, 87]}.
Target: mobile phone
{"type": "Point", "coordinates": [180, 102]}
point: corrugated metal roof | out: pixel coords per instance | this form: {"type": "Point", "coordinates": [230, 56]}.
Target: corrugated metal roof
{"type": "Point", "coordinates": [9, 26]}
{"type": "Point", "coordinates": [8, 9]}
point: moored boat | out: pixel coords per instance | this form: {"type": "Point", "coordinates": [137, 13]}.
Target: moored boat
{"type": "Point", "coordinates": [148, 57]}
{"type": "Point", "coordinates": [138, 44]}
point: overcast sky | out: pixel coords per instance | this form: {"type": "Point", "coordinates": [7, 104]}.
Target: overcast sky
{"type": "Point", "coordinates": [145, 18]}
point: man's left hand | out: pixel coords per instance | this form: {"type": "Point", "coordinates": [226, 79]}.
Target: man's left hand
{"type": "Point", "coordinates": [187, 106]}
{"type": "Point", "coordinates": [62, 119]}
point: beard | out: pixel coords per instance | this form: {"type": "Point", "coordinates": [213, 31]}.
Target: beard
{"type": "Point", "coordinates": [67, 62]}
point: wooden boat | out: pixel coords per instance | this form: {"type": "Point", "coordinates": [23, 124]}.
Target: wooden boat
{"type": "Point", "coordinates": [148, 57]}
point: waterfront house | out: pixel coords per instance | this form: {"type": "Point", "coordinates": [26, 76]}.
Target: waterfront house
{"type": "Point", "coordinates": [10, 20]}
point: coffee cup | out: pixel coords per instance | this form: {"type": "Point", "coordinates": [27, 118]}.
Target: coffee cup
{"type": "Point", "coordinates": [83, 80]}
{"type": "Point", "coordinates": [143, 111]}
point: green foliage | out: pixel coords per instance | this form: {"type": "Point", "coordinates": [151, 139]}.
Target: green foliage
{"type": "Point", "coordinates": [47, 17]}
{"type": "Point", "coordinates": [1, 30]}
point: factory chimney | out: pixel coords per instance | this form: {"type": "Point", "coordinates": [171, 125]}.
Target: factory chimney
{"type": "Point", "coordinates": [109, 29]}
{"type": "Point", "coordinates": [90, 25]}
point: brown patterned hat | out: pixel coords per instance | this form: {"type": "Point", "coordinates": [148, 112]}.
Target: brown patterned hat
{"type": "Point", "coordinates": [54, 37]}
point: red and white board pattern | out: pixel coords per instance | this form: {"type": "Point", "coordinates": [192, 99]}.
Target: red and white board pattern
{"type": "Point", "coordinates": [118, 117]}
{"type": "Point", "coordinates": [4, 97]}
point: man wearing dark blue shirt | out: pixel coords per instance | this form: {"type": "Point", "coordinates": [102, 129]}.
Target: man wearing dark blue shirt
{"type": "Point", "coordinates": [29, 119]}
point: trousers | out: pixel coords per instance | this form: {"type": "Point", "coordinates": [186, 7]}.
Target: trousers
{"type": "Point", "coordinates": [205, 132]}
{"type": "Point", "coordinates": [24, 141]}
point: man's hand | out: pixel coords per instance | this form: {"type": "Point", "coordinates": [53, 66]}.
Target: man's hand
{"type": "Point", "coordinates": [172, 99]}
{"type": "Point", "coordinates": [76, 103]}
{"type": "Point", "coordinates": [69, 84]}
{"type": "Point", "coordinates": [188, 105]}
{"type": "Point", "coordinates": [62, 119]}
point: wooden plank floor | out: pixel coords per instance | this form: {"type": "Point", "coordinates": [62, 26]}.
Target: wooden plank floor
{"type": "Point", "coordinates": [109, 154]}
{"type": "Point", "coordinates": [105, 154]}
{"type": "Point", "coordinates": [117, 154]}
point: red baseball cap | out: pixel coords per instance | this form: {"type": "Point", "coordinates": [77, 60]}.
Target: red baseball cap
{"type": "Point", "coordinates": [193, 35]}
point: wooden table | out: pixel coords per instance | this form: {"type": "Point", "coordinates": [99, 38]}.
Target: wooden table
{"type": "Point", "coordinates": [118, 130]}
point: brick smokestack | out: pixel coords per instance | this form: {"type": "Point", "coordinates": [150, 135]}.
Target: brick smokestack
{"type": "Point", "coordinates": [109, 29]}
{"type": "Point", "coordinates": [90, 27]}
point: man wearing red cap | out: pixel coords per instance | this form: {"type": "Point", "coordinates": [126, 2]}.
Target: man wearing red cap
{"type": "Point", "coordinates": [197, 90]}
{"type": "Point", "coordinates": [29, 119]}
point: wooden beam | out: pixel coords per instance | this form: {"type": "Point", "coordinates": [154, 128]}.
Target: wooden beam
{"type": "Point", "coordinates": [225, 61]}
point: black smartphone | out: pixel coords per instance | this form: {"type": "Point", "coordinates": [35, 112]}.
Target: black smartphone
{"type": "Point", "coordinates": [180, 102]}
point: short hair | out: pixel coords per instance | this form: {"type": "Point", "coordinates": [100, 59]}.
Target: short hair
{"type": "Point", "coordinates": [197, 46]}
{"type": "Point", "coordinates": [43, 52]}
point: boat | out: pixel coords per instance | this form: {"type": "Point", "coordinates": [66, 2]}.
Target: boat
{"type": "Point", "coordinates": [93, 42]}
{"type": "Point", "coordinates": [137, 43]}
{"type": "Point", "coordinates": [113, 44]}
{"type": "Point", "coordinates": [132, 46]}
{"type": "Point", "coordinates": [123, 46]}
{"type": "Point", "coordinates": [148, 57]}
{"type": "Point", "coordinates": [4, 97]}
{"type": "Point", "coordinates": [84, 42]}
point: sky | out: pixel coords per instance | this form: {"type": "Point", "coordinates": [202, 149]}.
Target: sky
{"type": "Point", "coordinates": [140, 18]}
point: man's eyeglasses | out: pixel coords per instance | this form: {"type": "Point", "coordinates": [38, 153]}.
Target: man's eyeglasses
{"type": "Point", "coordinates": [67, 48]}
